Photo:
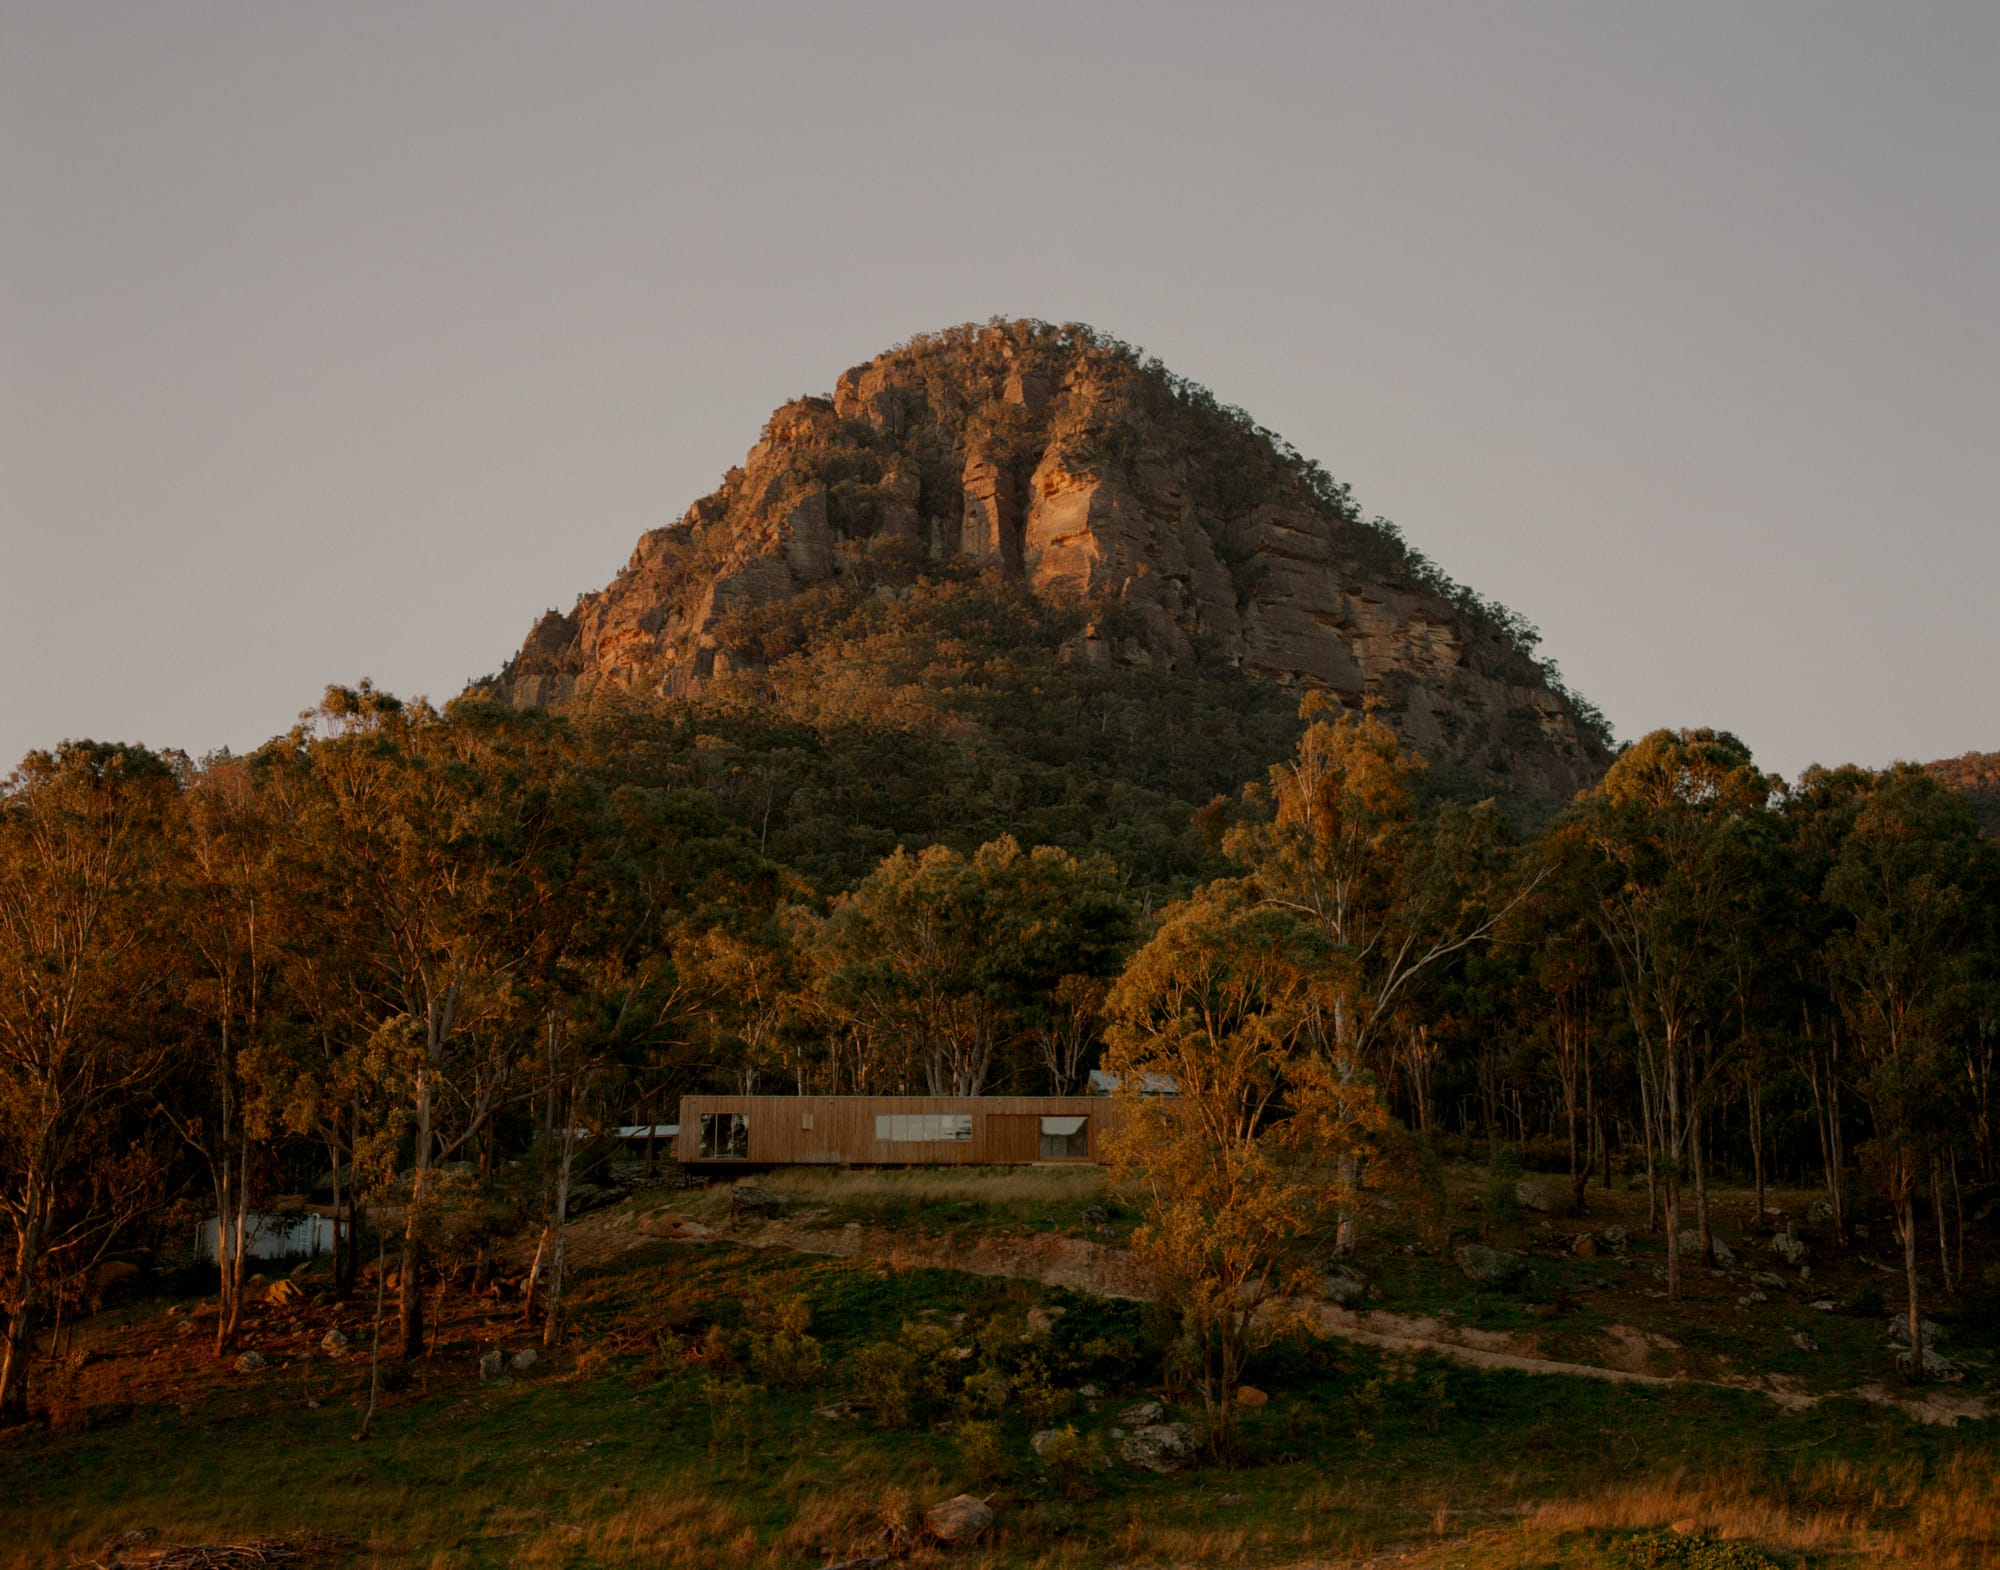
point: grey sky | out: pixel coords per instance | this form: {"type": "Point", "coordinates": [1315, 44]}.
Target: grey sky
{"type": "Point", "coordinates": [344, 339]}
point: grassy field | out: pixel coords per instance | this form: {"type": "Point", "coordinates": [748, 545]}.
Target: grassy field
{"type": "Point", "coordinates": [717, 1404]}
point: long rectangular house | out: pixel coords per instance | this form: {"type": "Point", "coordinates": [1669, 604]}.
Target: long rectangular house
{"type": "Point", "coordinates": [718, 1132]}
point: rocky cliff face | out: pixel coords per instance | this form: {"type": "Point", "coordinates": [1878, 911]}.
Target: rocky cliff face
{"type": "Point", "coordinates": [1180, 533]}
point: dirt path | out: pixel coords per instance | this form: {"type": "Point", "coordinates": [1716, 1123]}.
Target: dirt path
{"type": "Point", "coordinates": [1079, 1265]}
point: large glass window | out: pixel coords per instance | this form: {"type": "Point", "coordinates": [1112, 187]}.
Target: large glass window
{"type": "Point", "coordinates": [924, 1128]}
{"type": "Point", "coordinates": [1066, 1139]}
{"type": "Point", "coordinates": [725, 1134]}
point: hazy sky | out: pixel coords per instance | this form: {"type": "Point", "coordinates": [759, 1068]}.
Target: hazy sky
{"type": "Point", "coordinates": [345, 339]}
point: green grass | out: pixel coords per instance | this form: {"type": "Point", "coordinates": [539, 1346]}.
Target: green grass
{"type": "Point", "coordinates": [626, 1450]}
{"type": "Point", "coordinates": [956, 1199]}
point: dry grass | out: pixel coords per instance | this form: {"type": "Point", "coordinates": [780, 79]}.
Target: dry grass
{"type": "Point", "coordinates": [1885, 1513]}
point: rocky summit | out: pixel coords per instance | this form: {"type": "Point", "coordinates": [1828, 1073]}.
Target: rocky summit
{"type": "Point", "coordinates": [1175, 533]}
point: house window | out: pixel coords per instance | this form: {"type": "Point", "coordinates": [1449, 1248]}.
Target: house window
{"type": "Point", "coordinates": [725, 1135]}
{"type": "Point", "coordinates": [1066, 1139]}
{"type": "Point", "coordinates": [924, 1128]}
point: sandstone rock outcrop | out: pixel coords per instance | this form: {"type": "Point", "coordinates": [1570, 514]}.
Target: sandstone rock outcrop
{"type": "Point", "coordinates": [1178, 532]}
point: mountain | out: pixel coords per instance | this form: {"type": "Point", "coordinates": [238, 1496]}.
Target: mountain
{"type": "Point", "coordinates": [1045, 500]}
{"type": "Point", "coordinates": [1976, 777]}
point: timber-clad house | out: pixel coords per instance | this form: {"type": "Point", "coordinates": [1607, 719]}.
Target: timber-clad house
{"type": "Point", "coordinates": [889, 1131]}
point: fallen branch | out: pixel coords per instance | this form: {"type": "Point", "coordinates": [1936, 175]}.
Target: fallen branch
{"type": "Point", "coordinates": [257, 1553]}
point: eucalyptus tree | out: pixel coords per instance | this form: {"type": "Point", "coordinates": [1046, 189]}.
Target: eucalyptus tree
{"type": "Point", "coordinates": [1229, 1001]}
{"type": "Point", "coordinates": [1339, 842]}
{"type": "Point", "coordinates": [432, 826]}
{"type": "Point", "coordinates": [226, 932]}
{"type": "Point", "coordinates": [1912, 879]}
{"type": "Point", "coordinates": [948, 956]}
{"type": "Point", "coordinates": [1670, 823]}
{"type": "Point", "coordinates": [85, 980]}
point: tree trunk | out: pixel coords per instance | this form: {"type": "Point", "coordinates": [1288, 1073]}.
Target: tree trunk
{"type": "Point", "coordinates": [1909, 1220]}
{"type": "Point", "coordinates": [19, 1345]}
{"type": "Point", "coordinates": [534, 1275]}
{"type": "Point", "coordinates": [552, 1322]}
{"type": "Point", "coordinates": [1706, 1237]}
{"type": "Point", "coordinates": [1943, 1234]}
{"type": "Point", "coordinates": [1757, 1144]}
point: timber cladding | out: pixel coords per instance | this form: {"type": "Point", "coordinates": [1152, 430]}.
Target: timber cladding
{"type": "Point", "coordinates": [886, 1131]}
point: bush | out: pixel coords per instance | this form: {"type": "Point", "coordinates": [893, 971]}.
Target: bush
{"type": "Point", "coordinates": [1073, 1461]}
{"type": "Point", "coordinates": [981, 1452]}
{"type": "Point", "coordinates": [1670, 1551]}
{"type": "Point", "coordinates": [786, 1362]}
{"type": "Point", "coordinates": [728, 1413]}
{"type": "Point", "coordinates": [885, 1378]}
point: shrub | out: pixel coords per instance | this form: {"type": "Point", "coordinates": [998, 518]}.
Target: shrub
{"type": "Point", "coordinates": [885, 1378]}
{"type": "Point", "coordinates": [1670, 1551]}
{"type": "Point", "coordinates": [784, 1361]}
{"type": "Point", "coordinates": [728, 1413]}
{"type": "Point", "coordinates": [1073, 1461]}
{"type": "Point", "coordinates": [981, 1452]}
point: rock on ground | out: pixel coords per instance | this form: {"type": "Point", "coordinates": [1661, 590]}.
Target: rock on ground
{"type": "Point", "coordinates": [250, 1362]}
{"type": "Point", "coordinates": [1158, 1447]}
{"type": "Point", "coordinates": [1343, 1287]}
{"type": "Point", "coordinates": [1488, 1266]}
{"type": "Point", "coordinates": [489, 1365]}
{"type": "Point", "coordinates": [955, 1520]}
{"type": "Point", "coordinates": [1531, 1196]}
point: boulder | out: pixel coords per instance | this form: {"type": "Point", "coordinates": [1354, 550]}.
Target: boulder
{"type": "Point", "coordinates": [284, 1293]}
{"type": "Point", "coordinates": [1531, 1196]}
{"type": "Point", "coordinates": [1042, 1321]}
{"type": "Point", "coordinates": [334, 1343]}
{"type": "Point", "coordinates": [1488, 1266]}
{"type": "Point", "coordinates": [1691, 1244]}
{"type": "Point", "coordinates": [959, 1519]}
{"type": "Point", "coordinates": [1250, 1395]}
{"type": "Point", "coordinates": [1158, 1447]}
{"type": "Point", "coordinates": [1343, 1287]}
{"type": "Point", "coordinates": [1617, 1239]}
{"type": "Point", "coordinates": [1042, 1442]}
{"type": "Point", "coordinates": [250, 1362]}
{"type": "Point", "coordinates": [1899, 1331]}
{"type": "Point", "coordinates": [748, 1198]}
{"type": "Point", "coordinates": [1789, 1249]}
{"type": "Point", "coordinates": [1937, 1366]}
{"type": "Point", "coordinates": [525, 1360]}
{"type": "Point", "coordinates": [1141, 1413]}
{"type": "Point", "coordinates": [490, 1364]}
{"type": "Point", "coordinates": [1804, 1342]}
{"type": "Point", "coordinates": [1584, 1246]}
{"type": "Point", "coordinates": [1097, 1215]}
